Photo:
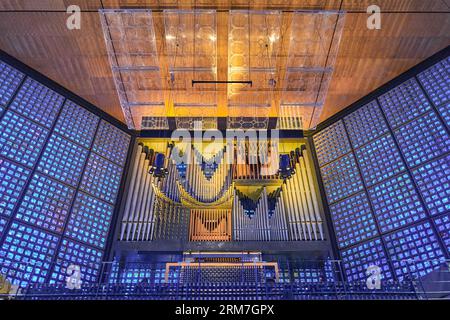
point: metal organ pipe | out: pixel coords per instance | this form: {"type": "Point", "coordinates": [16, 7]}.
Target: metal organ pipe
{"type": "Point", "coordinates": [157, 187]}
{"type": "Point", "coordinates": [313, 193]}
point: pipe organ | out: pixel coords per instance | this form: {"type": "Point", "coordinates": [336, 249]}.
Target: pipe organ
{"type": "Point", "coordinates": [265, 193]}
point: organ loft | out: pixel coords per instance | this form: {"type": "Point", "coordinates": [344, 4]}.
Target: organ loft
{"type": "Point", "coordinates": [206, 150]}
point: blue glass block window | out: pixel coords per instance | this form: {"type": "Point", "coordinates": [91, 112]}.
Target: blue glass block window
{"type": "Point", "coordinates": [73, 253]}
{"type": "Point", "coordinates": [331, 143]}
{"type": "Point", "coordinates": [404, 103]}
{"type": "Point", "coordinates": [341, 178]}
{"type": "Point", "coordinates": [379, 160]}
{"type": "Point", "coordinates": [101, 178]}
{"type": "Point", "coordinates": [63, 160]}
{"type": "Point", "coordinates": [396, 203]}
{"type": "Point", "coordinates": [308, 275]}
{"type": "Point", "coordinates": [417, 243]}
{"type": "Point", "coordinates": [77, 124]}
{"type": "Point", "coordinates": [111, 143]}
{"type": "Point", "coordinates": [423, 139]}
{"type": "Point", "coordinates": [37, 102]}
{"type": "Point", "coordinates": [10, 80]}
{"type": "Point", "coordinates": [12, 181]}
{"type": "Point", "coordinates": [444, 111]}
{"type": "Point", "coordinates": [433, 180]}
{"type": "Point", "coordinates": [436, 82]}
{"type": "Point", "coordinates": [443, 227]}
{"type": "Point", "coordinates": [90, 220]}
{"type": "Point", "coordinates": [26, 254]}
{"type": "Point", "coordinates": [357, 259]}
{"type": "Point", "coordinates": [3, 223]}
{"type": "Point", "coordinates": [365, 124]}
{"type": "Point", "coordinates": [20, 139]}
{"type": "Point", "coordinates": [353, 220]}
{"type": "Point", "coordinates": [46, 203]}
{"type": "Point", "coordinates": [131, 274]}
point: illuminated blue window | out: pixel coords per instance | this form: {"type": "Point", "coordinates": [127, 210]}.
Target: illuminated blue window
{"type": "Point", "coordinates": [37, 102]}
{"type": "Point", "coordinates": [101, 178]}
{"type": "Point", "coordinates": [26, 254]}
{"type": "Point", "coordinates": [353, 220]}
{"type": "Point", "coordinates": [365, 124]}
{"type": "Point", "coordinates": [444, 110]}
{"type": "Point", "coordinates": [379, 160]}
{"type": "Point", "coordinates": [10, 79]}
{"type": "Point", "coordinates": [416, 243]}
{"type": "Point", "coordinates": [131, 274]}
{"type": "Point", "coordinates": [63, 160]}
{"type": "Point", "coordinates": [89, 221]}
{"type": "Point", "coordinates": [436, 82]}
{"type": "Point", "coordinates": [443, 227]}
{"type": "Point", "coordinates": [77, 124]}
{"type": "Point", "coordinates": [404, 103]}
{"type": "Point", "coordinates": [341, 178]}
{"type": "Point", "coordinates": [433, 180]}
{"type": "Point", "coordinates": [423, 139]}
{"type": "Point", "coordinates": [111, 143]}
{"type": "Point", "coordinates": [396, 203]}
{"type": "Point", "coordinates": [73, 253]}
{"type": "Point", "coordinates": [331, 143]}
{"type": "Point", "coordinates": [20, 139]}
{"type": "Point", "coordinates": [46, 203]}
{"type": "Point", "coordinates": [357, 259]}
{"type": "Point", "coordinates": [12, 181]}
{"type": "Point", "coordinates": [3, 223]}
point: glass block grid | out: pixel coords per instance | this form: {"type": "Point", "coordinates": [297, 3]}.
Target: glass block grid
{"type": "Point", "coordinates": [77, 124]}
{"type": "Point", "coordinates": [331, 143]}
{"type": "Point", "coordinates": [444, 111]}
{"type": "Point", "coordinates": [423, 139]}
{"type": "Point", "coordinates": [73, 253]}
{"type": "Point", "coordinates": [111, 143]}
{"type": "Point", "coordinates": [443, 227]}
{"type": "Point", "coordinates": [341, 178]}
{"type": "Point", "coordinates": [379, 160]}
{"type": "Point", "coordinates": [404, 103]}
{"type": "Point", "coordinates": [37, 102]}
{"type": "Point", "coordinates": [63, 160]}
{"type": "Point", "coordinates": [357, 259]}
{"type": "Point", "coordinates": [353, 220]}
{"type": "Point", "coordinates": [12, 181]}
{"type": "Point", "coordinates": [10, 79]}
{"type": "Point", "coordinates": [46, 203]}
{"type": "Point", "coordinates": [26, 254]}
{"type": "Point", "coordinates": [20, 139]}
{"type": "Point", "coordinates": [101, 178]}
{"type": "Point", "coordinates": [396, 203]}
{"type": "Point", "coordinates": [89, 220]}
{"type": "Point", "coordinates": [436, 82]}
{"type": "Point", "coordinates": [365, 124]}
{"type": "Point", "coordinates": [3, 222]}
{"type": "Point", "coordinates": [308, 275]}
{"type": "Point", "coordinates": [433, 180]}
{"type": "Point", "coordinates": [414, 250]}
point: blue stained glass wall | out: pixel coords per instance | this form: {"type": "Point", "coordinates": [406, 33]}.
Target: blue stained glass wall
{"type": "Point", "coordinates": [385, 169]}
{"type": "Point", "coordinates": [60, 170]}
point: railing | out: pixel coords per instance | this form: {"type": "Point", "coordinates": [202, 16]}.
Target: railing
{"type": "Point", "coordinates": [292, 279]}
